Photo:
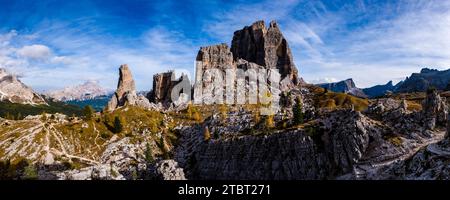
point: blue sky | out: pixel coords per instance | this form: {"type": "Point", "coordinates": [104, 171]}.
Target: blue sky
{"type": "Point", "coordinates": [52, 44]}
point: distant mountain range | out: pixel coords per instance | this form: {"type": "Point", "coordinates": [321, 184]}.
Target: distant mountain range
{"type": "Point", "coordinates": [85, 91]}
{"type": "Point", "coordinates": [417, 82]}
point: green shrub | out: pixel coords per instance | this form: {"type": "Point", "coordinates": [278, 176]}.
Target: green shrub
{"type": "Point", "coordinates": [30, 172]}
{"type": "Point", "coordinates": [149, 154]}
{"type": "Point", "coordinates": [298, 112]}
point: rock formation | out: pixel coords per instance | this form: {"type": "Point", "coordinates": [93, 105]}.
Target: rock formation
{"type": "Point", "coordinates": [124, 87]}
{"type": "Point", "coordinates": [126, 92]}
{"type": "Point", "coordinates": [435, 109]}
{"type": "Point", "coordinates": [13, 90]}
{"type": "Point", "coordinates": [168, 170]}
{"type": "Point", "coordinates": [266, 47]}
{"type": "Point", "coordinates": [162, 87]}
{"type": "Point", "coordinates": [166, 83]}
{"type": "Point", "coordinates": [216, 56]}
{"type": "Point", "coordinates": [255, 46]}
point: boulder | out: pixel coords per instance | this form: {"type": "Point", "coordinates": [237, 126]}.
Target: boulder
{"type": "Point", "coordinates": [168, 170]}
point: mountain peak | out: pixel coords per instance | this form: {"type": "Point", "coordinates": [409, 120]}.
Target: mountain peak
{"type": "Point", "coordinates": [13, 90]}
{"type": "Point", "coordinates": [427, 70]}
{"type": "Point", "coordinates": [345, 86]}
{"type": "Point", "coordinates": [87, 90]}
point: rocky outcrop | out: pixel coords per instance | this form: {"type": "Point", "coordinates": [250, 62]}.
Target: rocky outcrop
{"type": "Point", "coordinates": [126, 92]}
{"type": "Point", "coordinates": [14, 91]}
{"type": "Point", "coordinates": [256, 47]}
{"type": "Point", "coordinates": [162, 87]}
{"type": "Point", "coordinates": [346, 86]}
{"type": "Point", "coordinates": [87, 90]}
{"type": "Point", "coordinates": [166, 83]}
{"type": "Point", "coordinates": [318, 152]}
{"type": "Point", "coordinates": [211, 65]}
{"type": "Point", "coordinates": [289, 155]}
{"type": "Point", "coordinates": [266, 47]}
{"type": "Point", "coordinates": [97, 172]}
{"type": "Point", "coordinates": [435, 109]}
{"type": "Point", "coordinates": [124, 87]}
{"type": "Point", "coordinates": [168, 170]}
{"type": "Point", "coordinates": [214, 57]}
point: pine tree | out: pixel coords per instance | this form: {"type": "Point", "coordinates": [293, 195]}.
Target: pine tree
{"type": "Point", "coordinates": [118, 127]}
{"type": "Point", "coordinates": [30, 172]}
{"type": "Point", "coordinates": [88, 112]}
{"type": "Point", "coordinates": [149, 154]}
{"type": "Point", "coordinates": [19, 116]}
{"type": "Point", "coordinates": [8, 116]}
{"type": "Point", "coordinates": [298, 112]}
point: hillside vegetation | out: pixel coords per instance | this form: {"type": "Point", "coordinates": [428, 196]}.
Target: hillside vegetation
{"type": "Point", "coordinates": [19, 111]}
{"type": "Point", "coordinates": [333, 100]}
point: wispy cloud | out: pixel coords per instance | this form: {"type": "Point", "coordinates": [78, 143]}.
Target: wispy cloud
{"type": "Point", "coordinates": [399, 40]}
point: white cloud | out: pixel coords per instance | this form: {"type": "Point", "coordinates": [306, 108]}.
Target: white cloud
{"type": "Point", "coordinates": [323, 80]}
{"type": "Point", "coordinates": [36, 51]}
{"type": "Point", "coordinates": [62, 60]}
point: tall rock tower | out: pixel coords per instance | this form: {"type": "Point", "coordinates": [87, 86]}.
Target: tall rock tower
{"type": "Point", "coordinates": [125, 87]}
